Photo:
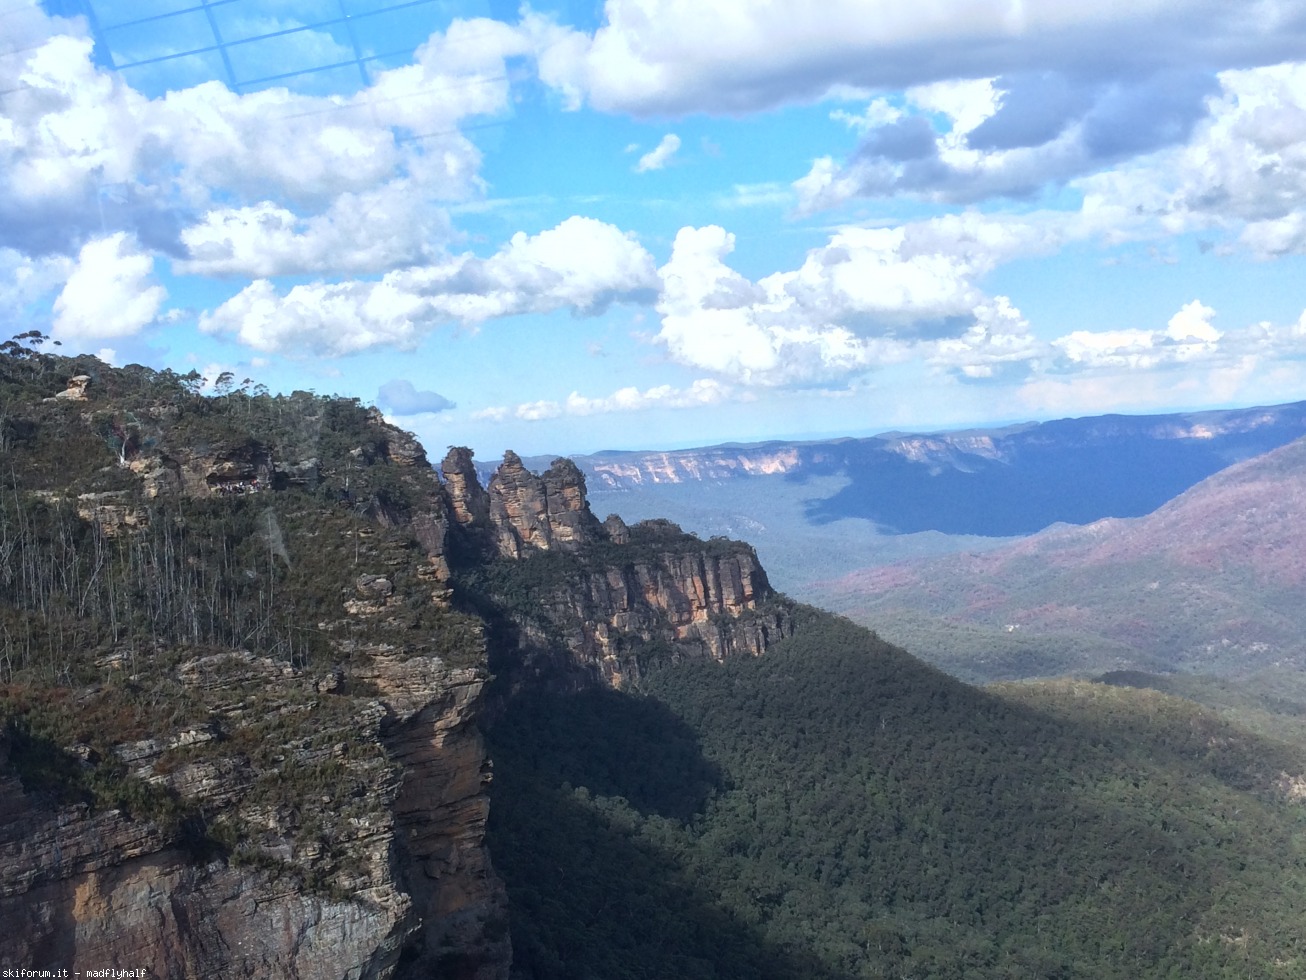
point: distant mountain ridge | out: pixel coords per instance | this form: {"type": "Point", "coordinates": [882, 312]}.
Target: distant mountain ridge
{"type": "Point", "coordinates": [993, 482]}
{"type": "Point", "coordinates": [1210, 581]}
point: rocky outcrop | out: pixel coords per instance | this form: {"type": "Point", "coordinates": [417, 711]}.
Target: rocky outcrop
{"type": "Point", "coordinates": [400, 447]}
{"type": "Point", "coordinates": [616, 529]}
{"type": "Point", "coordinates": [540, 512]}
{"type": "Point", "coordinates": [399, 857]}
{"type": "Point", "coordinates": [685, 599]}
{"type": "Point", "coordinates": [304, 474]}
{"type": "Point", "coordinates": [113, 511]}
{"type": "Point", "coordinates": [626, 596]}
{"type": "Point", "coordinates": [469, 502]}
{"type": "Point", "coordinates": [241, 467]}
{"type": "Point", "coordinates": [76, 390]}
{"type": "Point", "coordinates": [160, 475]}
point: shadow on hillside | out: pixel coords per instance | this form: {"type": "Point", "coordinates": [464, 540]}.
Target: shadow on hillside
{"type": "Point", "coordinates": [614, 744]}
{"type": "Point", "coordinates": [883, 817]}
{"type": "Point", "coordinates": [590, 895]}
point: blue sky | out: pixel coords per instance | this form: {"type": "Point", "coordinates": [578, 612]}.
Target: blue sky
{"type": "Point", "coordinates": [648, 223]}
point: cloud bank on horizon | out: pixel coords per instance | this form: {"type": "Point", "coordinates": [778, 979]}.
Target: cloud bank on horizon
{"type": "Point", "coordinates": [668, 223]}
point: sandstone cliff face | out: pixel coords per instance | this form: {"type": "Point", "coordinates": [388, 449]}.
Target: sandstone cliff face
{"type": "Point", "coordinates": [624, 596]}
{"type": "Point", "coordinates": [334, 817]}
{"type": "Point", "coordinates": [540, 512]}
{"type": "Point", "coordinates": [469, 502]}
{"type": "Point", "coordinates": [721, 463]}
{"type": "Point", "coordinates": [83, 892]}
{"type": "Point", "coordinates": [440, 815]}
{"type": "Point", "coordinates": [399, 851]}
{"type": "Point", "coordinates": [699, 604]}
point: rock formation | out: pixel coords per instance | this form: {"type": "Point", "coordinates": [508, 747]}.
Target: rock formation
{"type": "Point", "coordinates": [630, 596]}
{"type": "Point", "coordinates": [616, 529]}
{"type": "Point", "coordinates": [86, 890]}
{"type": "Point", "coordinates": [697, 603]}
{"type": "Point", "coordinates": [540, 512]}
{"type": "Point", "coordinates": [285, 775]}
{"type": "Point", "coordinates": [114, 512]}
{"type": "Point", "coordinates": [400, 447]}
{"type": "Point", "coordinates": [76, 390]}
{"type": "Point", "coordinates": [469, 501]}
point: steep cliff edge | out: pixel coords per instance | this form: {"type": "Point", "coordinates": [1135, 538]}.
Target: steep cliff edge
{"type": "Point", "coordinates": [580, 601]}
{"type": "Point", "coordinates": [245, 644]}
{"type": "Point", "coordinates": [354, 838]}
{"type": "Point", "coordinates": [238, 715]}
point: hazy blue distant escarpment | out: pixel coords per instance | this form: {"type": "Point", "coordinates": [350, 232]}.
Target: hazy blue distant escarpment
{"type": "Point", "coordinates": [993, 482]}
{"type": "Point", "coordinates": [816, 510]}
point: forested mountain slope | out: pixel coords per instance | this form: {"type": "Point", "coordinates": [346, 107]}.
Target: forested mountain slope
{"type": "Point", "coordinates": [837, 809]}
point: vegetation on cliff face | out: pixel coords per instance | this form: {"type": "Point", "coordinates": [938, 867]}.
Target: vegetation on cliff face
{"type": "Point", "coordinates": [838, 809]}
{"type": "Point", "coordinates": [146, 533]}
{"type": "Point", "coordinates": [249, 631]}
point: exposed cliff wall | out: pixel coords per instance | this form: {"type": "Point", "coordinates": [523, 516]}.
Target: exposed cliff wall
{"type": "Point", "coordinates": [602, 600]}
{"type": "Point", "coordinates": [717, 463]}
{"type": "Point", "coordinates": [381, 856]}
{"type": "Point", "coordinates": [666, 604]}
{"type": "Point", "coordinates": [242, 739]}
{"type": "Point", "coordinates": [440, 814]}
{"type": "Point", "coordinates": [540, 512]}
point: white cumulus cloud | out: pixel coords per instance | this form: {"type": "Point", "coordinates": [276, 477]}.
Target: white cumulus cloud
{"type": "Point", "coordinates": [1187, 338]}
{"type": "Point", "coordinates": [1193, 324]}
{"type": "Point", "coordinates": [82, 153]}
{"type": "Point", "coordinates": [668, 57]}
{"type": "Point", "coordinates": [368, 231]}
{"type": "Point", "coordinates": [1243, 169]}
{"type": "Point", "coordinates": [972, 139]}
{"type": "Point", "coordinates": [110, 292]}
{"type": "Point", "coordinates": [704, 391]}
{"type": "Point", "coordinates": [582, 264]}
{"type": "Point", "coordinates": [870, 297]}
{"type": "Point", "coordinates": [25, 280]}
